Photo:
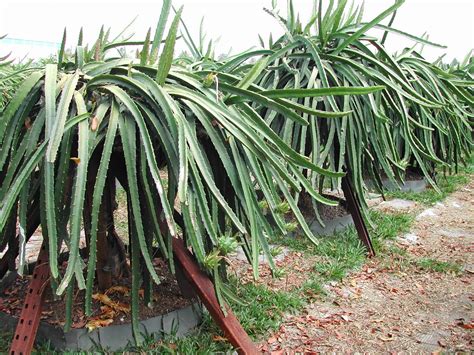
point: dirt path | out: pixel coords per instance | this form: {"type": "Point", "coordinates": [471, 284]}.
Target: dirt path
{"type": "Point", "coordinates": [394, 304]}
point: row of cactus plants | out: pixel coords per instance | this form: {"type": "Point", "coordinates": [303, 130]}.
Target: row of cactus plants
{"type": "Point", "coordinates": [238, 141]}
{"type": "Point", "coordinates": [421, 120]}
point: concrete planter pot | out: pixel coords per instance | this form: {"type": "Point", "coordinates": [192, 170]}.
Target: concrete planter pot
{"type": "Point", "coordinates": [331, 226]}
{"type": "Point", "coordinates": [413, 185]}
{"type": "Point", "coordinates": [179, 322]}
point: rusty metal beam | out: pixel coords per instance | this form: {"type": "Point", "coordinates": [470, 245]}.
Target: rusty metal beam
{"type": "Point", "coordinates": [205, 290]}
{"type": "Point", "coordinates": [25, 333]}
{"type": "Point", "coordinates": [355, 211]}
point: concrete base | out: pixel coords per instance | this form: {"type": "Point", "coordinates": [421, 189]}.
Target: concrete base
{"type": "Point", "coordinates": [114, 337]}
{"type": "Point", "coordinates": [409, 185]}
{"type": "Point", "coordinates": [331, 226]}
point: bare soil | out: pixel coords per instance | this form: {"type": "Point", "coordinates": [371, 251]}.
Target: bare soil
{"type": "Point", "coordinates": [392, 305]}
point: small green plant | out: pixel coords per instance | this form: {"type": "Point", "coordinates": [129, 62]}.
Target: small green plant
{"type": "Point", "coordinates": [291, 226]}
{"type": "Point", "coordinates": [276, 250]}
{"type": "Point", "coordinates": [227, 244]}
{"type": "Point", "coordinates": [5, 339]}
{"type": "Point", "coordinates": [313, 288]}
{"type": "Point", "coordinates": [279, 273]}
{"type": "Point", "coordinates": [212, 260]}
{"type": "Point", "coordinates": [434, 265]}
{"type": "Point", "coordinates": [282, 208]}
{"type": "Point", "coordinates": [333, 270]}
{"type": "Point", "coordinates": [263, 204]}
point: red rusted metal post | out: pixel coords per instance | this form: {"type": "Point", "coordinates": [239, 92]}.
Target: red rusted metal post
{"type": "Point", "coordinates": [25, 334]}
{"type": "Point", "coordinates": [354, 209]}
{"type": "Point", "coordinates": [205, 290]}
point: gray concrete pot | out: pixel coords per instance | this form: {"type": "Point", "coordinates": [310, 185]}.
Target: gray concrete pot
{"type": "Point", "coordinates": [417, 185]}
{"type": "Point", "coordinates": [179, 323]}
{"type": "Point", "coordinates": [331, 226]}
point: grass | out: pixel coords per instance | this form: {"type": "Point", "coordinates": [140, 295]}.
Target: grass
{"type": "Point", "coordinates": [263, 309]}
{"type": "Point", "coordinates": [388, 227]}
{"type": "Point", "coordinates": [296, 243]}
{"type": "Point", "coordinates": [312, 289]}
{"type": "Point", "coordinates": [5, 340]}
{"type": "Point", "coordinates": [332, 270]}
{"type": "Point", "coordinates": [434, 265]}
{"type": "Point", "coordinates": [342, 252]}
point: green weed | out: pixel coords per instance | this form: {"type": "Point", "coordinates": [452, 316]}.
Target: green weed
{"type": "Point", "coordinates": [438, 266]}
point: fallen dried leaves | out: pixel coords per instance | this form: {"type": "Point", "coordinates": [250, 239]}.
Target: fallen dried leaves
{"type": "Point", "coordinates": [118, 289]}
{"type": "Point", "coordinates": [104, 299]}
{"type": "Point", "coordinates": [108, 310]}
{"type": "Point", "coordinates": [461, 322]}
{"type": "Point", "coordinates": [98, 323]}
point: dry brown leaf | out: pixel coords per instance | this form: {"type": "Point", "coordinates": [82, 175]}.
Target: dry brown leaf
{"type": "Point", "coordinates": [94, 124]}
{"type": "Point", "coordinates": [79, 325]}
{"type": "Point", "coordinates": [107, 312]}
{"type": "Point", "coordinates": [98, 323]}
{"type": "Point", "coordinates": [122, 307]}
{"type": "Point", "coordinates": [466, 325]}
{"type": "Point", "coordinates": [120, 289]}
{"type": "Point", "coordinates": [28, 123]}
{"type": "Point", "coordinates": [101, 298]}
{"type": "Point", "coordinates": [272, 340]}
{"type": "Point", "coordinates": [107, 301]}
{"type": "Point", "coordinates": [219, 338]}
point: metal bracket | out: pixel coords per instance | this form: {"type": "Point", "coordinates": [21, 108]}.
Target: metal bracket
{"type": "Point", "coordinates": [25, 333]}
{"type": "Point", "coordinates": [205, 290]}
{"type": "Point", "coordinates": [355, 211]}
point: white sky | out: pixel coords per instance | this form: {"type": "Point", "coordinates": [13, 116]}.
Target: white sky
{"type": "Point", "coordinates": [236, 22]}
